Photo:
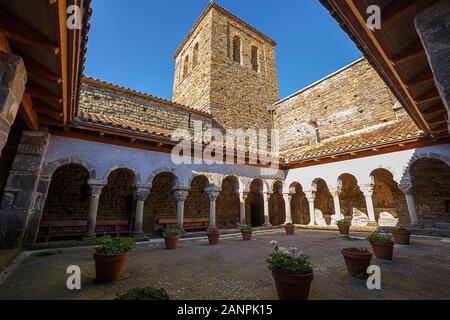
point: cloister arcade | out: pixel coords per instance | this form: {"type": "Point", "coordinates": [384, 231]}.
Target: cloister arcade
{"type": "Point", "coordinates": [228, 200]}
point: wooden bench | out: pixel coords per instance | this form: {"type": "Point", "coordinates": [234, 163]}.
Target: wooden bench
{"type": "Point", "coordinates": [55, 229]}
{"type": "Point", "coordinates": [75, 228]}
{"type": "Point", "coordinates": [117, 228]}
{"type": "Point", "coordinates": [189, 223]}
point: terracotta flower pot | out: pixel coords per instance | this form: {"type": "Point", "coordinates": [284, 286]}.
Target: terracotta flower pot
{"type": "Point", "coordinates": [344, 229]}
{"type": "Point", "coordinates": [247, 235]}
{"type": "Point", "coordinates": [171, 242]}
{"type": "Point", "coordinates": [290, 229]}
{"type": "Point", "coordinates": [383, 250]}
{"type": "Point", "coordinates": [292, 287]}
{"type": "Point", "coordinates": [401, 237]}
{"type": "Point", "coordinates": [357, 263]}
{"type": "Point", "coordinates": [213, 237]}
{"type": "Point", "coordinates": [109, 267]}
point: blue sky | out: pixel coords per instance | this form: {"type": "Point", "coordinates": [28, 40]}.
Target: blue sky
{"type": "Point", "coordinates": [131, 43]}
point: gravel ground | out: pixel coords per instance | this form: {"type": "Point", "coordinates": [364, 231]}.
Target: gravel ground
{"type": "Point", "coordinates": [237, 270]}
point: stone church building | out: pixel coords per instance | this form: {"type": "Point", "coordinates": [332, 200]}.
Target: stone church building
{"type": "Point", "coordinates": [81, 157]}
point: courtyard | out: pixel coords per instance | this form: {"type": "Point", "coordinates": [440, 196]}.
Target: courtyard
{"type": "Point", "coordinates": [236, 270]}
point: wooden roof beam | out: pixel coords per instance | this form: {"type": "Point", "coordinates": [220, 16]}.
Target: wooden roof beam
{"type": "Point", "coordinates": [28, 114]}
{"type": "Point", "coordinates": [422, 78]}
{"type": "Point", "coordinates": [414, 50]}
{"type": "Point", "coordinates": [47, 120]}
{"type": "Point", "coordinates": [35, 90]}
{"type": "Point", "coordinates": [39, 71]}
{"type": "Point", "coordinates": [394, 11]}
{"type": "Point", "coordinates": [429, 96]}
{"type": "Point", "coordinates": [437, 107]}
{"type": "Point", "coordinates": [17, 30]}
{"type": "Point", "coordinates": [41, 107]}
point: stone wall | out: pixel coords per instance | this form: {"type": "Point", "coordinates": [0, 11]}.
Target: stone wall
{"type": "Point", "coordinates": [227, 205]}
{"type": "Point", "coordinates": [349, 100]}
{"type": "Point", "coordinates": [117, 198]}
{"type": "Point", "coordinates": [108, 100]}
{"type": "Point", "coordinates": [236, 95]}
{"type": "Point", "coordinates": [432, 190]}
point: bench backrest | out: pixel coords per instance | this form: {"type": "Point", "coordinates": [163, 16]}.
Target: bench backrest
{"type": "Point", "coordinates": [112, 223]}
{"type": "Point", "coordinates": [173, 220]}
{"type": "Point", "coordinates": [63, 223]}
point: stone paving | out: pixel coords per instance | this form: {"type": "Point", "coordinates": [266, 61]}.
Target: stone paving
{"type": "Point", "coordinates": [237, 270]}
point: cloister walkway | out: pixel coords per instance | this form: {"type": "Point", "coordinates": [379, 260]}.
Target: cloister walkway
{"type": "Point", "coordinates": [237, 270]}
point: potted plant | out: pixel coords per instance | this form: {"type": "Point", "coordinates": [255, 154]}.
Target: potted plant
{"type": "Point", "coordinates": [344, 226]}
{"type": "Point", "coordinates": [171, 238]}
{"type": "Point", "coordinates": [111, 257]}
{"type": "Point", "coordinates": [213, 236]}
{"type": "Point", "coordinates": [289, 228]}
{"type": "Point", "coordinates": [292, 272]}
{"type": "Point", "coordinates": [382, 245]}
{"type": "Point", "coordinates": [357, 260]}
{"type": "Point", "coordinates": [401, 236]}
{"type": "Point", "coordinates": [247, 232]}
{"type": "Point", "coordinates": [144, 294]}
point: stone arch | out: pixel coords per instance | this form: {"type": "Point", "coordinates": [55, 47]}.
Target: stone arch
{"type": "Point", "coordinates": [236, 47]}
{"type": "Point", "coordinates": [161, 201]}
{"type": "Point", "coordinates": [137, 176]}
{"type": "Point", "coordinates": [388, 201]}
{"type": "Point", "coordinates": [195, 175]}
{"type": "Point", "coordinates": [277, 208]}
{"type": "Point", "coordinates": [228, 203]}
{"type": "Point", "coordinates": [51, 167]}
{"type": "Point", "coordinates": [352, 200]}
{"type": "Point", "coordinates": [66, 198]}
{"type": "Point", "coordinates": [254, 210]}
{"type": "Point", "coordinates": [155, 173]}
{"type": "Point", "coordinates": [323, 202]}
{"type": "Point", "coordinates": [430, 177]}
{"type": "Point", "coordinates": [264, 185]}
{"type": "Point", "coordinates": [299, 204]}
{"type": "Point", "coordinates": [407, 174]}
{"type": "Point", "coordinates": [197, 203]}
{"type": "Point", "coordinates": [240, 184]}
{"type": "Point", "coordinates": [195, 55]}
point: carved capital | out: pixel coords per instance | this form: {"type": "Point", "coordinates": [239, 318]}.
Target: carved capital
{"type": "Point", "coordinates": [96, 187]}
{"type": "Point", "coordinates": [310, 195]}
{"type": "Point", "coordinates": [287, 196]}
{"type": "Point", "coordinates": [141, 194]}
{"type": "Point", "coordinates": [366, 189]}
{"type": "Point", "coordinates": [181, 195]}
{"type": "Point", "coordinates": [407, 186]}
{"type": "Point", "coordinates": [213, 193]}
{"type": "Point", "coordinates": [335, 192]}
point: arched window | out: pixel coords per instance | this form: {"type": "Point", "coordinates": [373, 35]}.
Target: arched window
{"type": "Point", "coordinates": [186, 66]}
{"type": "Point", "coordinates": [195, 59]}
{"type": "Point", "coordinates": [255, 58]}
{"type": "Point", "coordinates": [237, 49]}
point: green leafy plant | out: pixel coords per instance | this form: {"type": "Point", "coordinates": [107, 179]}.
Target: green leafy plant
{"type": "Point", "coordinates": [343, 222]}
{"type": "Point", "coordinates": [171, 232]}
{"type": "Point", "coordinates": [289, 261]}
{"type": "Point", "coordinates": [246, 228]}
{"type": "Point", "coordinates": [112, 246]}
{"type": "Point", "coordinates": [356, 250]}
{"type": "Point", "coordinates": [144, 294]}
{"type": "Point", "coordinates": [383, 237]}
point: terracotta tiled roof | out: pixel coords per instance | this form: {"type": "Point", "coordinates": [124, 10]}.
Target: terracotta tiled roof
{"type": "Point", "coordinates": [392, 132]}
{"type": "Point", "coordinates": [98, 119]}
{"type": "Point", "coordinates": [115, 87]}
{"type": "Point", "coordinates": [226, 12]}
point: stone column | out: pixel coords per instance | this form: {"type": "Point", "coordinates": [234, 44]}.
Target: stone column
{"type": "Point", "coordinates": [181, 196]}
{"type": "Point", "coordinates": [13, 78]}
{"type": "Point", "coordinates": [266, 209]}
{"type": "Point", "coordinates": [432, 26]}
{"type": "Point", "coordinates": [213, 193]}
{"type": "Point", "coordinates": [311, 196]}
{"type": "Point", "coordinates": [367, 190]}
{"type": "Point", "coordinates": [337, 204]}
{"type": "Point", "coordinates": [242, 197]}
{"type": "Point", "coordinates": [407, 188]}
{"type": "Point", "coordinates": [96, 191]}
{"type": "Point", "coordinates": [23, 196]}
{"type": "Point", "coordinates": [287, 204]}
{"type": "Point", "coordinates": [141, 195]}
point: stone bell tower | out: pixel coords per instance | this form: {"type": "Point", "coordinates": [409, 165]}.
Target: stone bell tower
{"type": "Point", "coordinates": [227, 67]}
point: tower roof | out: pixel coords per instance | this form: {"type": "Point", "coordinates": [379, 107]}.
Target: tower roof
{"type": "Point", "coordinates": [213, 5]}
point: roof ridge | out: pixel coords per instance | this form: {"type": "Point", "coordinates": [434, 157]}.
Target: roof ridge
{"type": "Point", "coordinates": [110, 85]}
{"type": "Point", "coordinates": [214, 5]}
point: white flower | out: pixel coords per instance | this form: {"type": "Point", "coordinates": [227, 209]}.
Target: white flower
{"type": "Point", "coordinates": [273, 243]}
{"type": "Point", "coordinates": [293, 250]}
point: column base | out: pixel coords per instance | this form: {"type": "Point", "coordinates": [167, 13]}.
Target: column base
{"type": "Point", "coordinates": [140, 237]}
{"type": "Point", "coordinates": [89, 237]}
{"type": "Point", "coordinates": [267, 225]}
{"type": "Point", "coordinates": [373, 224]}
